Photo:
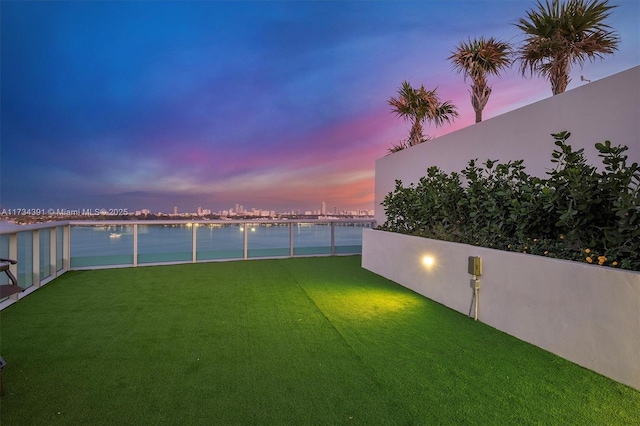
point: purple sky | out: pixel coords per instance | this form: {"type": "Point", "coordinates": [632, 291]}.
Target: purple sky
{"type": "Point", "coordinates": [272, 105]}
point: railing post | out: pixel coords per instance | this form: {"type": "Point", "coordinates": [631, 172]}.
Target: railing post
{"type": "Point", "coordinates": [66, 247]}
{"type": "Point", "coordinates": [333, 239]}
{"type": "Point", "coordinates": [35, 258]}
{"type": "Point", "coordinates": [290, 239]}
{"type": "Point", "coordinates": [135, 244]}
{"type": "Point", "coordinates": [194, 246]}
{"type": "Point", "coordinates": [246, 244]}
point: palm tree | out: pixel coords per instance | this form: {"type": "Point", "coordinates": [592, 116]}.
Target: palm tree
{"type": "Point", "coordinates": [560, 34]}
{"type": "Point", "coordinates": [477, 59]}
{"type": "Point", "coordinates": [420, 105]}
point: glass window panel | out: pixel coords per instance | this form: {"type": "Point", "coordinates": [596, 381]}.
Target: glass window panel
{"type": "Point", "coordinates": [267, 239]}
{"type": "Point", "coordinates": [348, 237]}
{"type": "Point", "coordinates": [102, 245]}
{"type": "Point", "coordinates": [311, 238]}
{"type": "Point", "coordinates": [165, 243]}
{"type": "Point", "coordinates": [219, 241]}
{"type": "Point", "coordinates": [45, 252]}
{"type": "Point", "coordinates": [25, 259]}
{"type": "Point", "coordinates": [4, 253]}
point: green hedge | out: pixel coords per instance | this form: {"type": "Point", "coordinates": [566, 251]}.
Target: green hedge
{"type": "Point", "coordinates": [576, 213]}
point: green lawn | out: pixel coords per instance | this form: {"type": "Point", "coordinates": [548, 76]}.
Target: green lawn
{"type": "Point", "coordinates": [303, 341]}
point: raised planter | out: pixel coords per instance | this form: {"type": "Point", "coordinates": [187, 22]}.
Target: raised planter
{"type": "Point", "coordinates": [587, 314]}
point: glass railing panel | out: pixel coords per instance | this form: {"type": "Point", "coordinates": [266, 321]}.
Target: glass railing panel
{"type": "Point", "coordinates": [219, 241]}
{"type": "Point", "coordinates": [311, 238]}
{"type": "Point", "coordinates": [45, 253]}
{"type": "Point", "coordinates": [25, 259]}
{"type": "Point", "coordinates": [348, 237]}
{"type": "Point", "coordinates": [101, 245]}
{"type": "Point", "coordinates": [4, 254]}
{"type": "Point", "coordinates": [165, 243]}
{"type": "Point", "coordinates": [267, 239]}
{"type": "Point", "coordinates": [59, 248]}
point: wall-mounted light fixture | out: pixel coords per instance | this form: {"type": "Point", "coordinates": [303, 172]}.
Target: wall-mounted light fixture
{"type": "Point", "coordinates": [428, 261]}
{"type": "Point", "coordinates": [474, 267]}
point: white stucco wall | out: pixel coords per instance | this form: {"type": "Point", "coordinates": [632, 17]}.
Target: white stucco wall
{"type": "Point", "coordinates": [584, 313]}
{"type": "Point", "coordinates": [587, 314]}
{"type": "Point", "coordinates": [607, 109]}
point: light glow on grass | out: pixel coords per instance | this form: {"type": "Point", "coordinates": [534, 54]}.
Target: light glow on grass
{"type": "Point", "coordinates": [365, 304]}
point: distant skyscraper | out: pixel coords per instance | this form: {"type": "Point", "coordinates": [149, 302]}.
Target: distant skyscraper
{"type": "Point", "coordinates": [324, 208]}
{"type": "Point", "coordinates": [175, 210]}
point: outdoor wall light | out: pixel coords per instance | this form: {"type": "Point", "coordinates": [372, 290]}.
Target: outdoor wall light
{"type": "Point", "coordinates": [428, 261]}
{"type": "Point", "coordinates": [474, 267]}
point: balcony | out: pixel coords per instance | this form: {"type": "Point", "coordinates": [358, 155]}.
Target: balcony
{"type": "Point", "coordinates": [302, 340]}
{"type": "Point", "coordinates": [47, 250]}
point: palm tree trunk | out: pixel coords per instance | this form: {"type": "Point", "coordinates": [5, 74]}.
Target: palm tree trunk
{"type": "Point", "coordinates": [478, 115]}
{"type": "Point", "coordinates": [559, 76]}
{"type": "Point", "coordinates": [415, 136]}
{"type": "Point", "coordinates": [479, 97]}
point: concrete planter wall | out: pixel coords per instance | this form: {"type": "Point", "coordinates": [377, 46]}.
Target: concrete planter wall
{"type": "Point", "coordinates": [587, 314]}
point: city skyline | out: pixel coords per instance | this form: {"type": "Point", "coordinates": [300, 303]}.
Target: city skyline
{"type": "Point", "coordinates": [149, 105]}
{"type": "Point", "coordinates": [238, 210]}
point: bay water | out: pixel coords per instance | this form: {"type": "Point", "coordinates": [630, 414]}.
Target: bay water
{"type": "Point", "coordinates": [113, 244]}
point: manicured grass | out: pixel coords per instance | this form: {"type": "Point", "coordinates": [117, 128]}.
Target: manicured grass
{"type": "Point", "coordinates": [304, 341]}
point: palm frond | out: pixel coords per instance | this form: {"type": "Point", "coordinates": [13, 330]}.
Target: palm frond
{"type": "Point", "coordinates": [478, 58]}
{"type": "Point", "coordinates": [420, 105]}
{"type": "Point", "coordinates": [561, 33]}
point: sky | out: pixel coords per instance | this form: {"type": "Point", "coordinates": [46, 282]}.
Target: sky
{"type": "Point", "coordinates": [276, 105]}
